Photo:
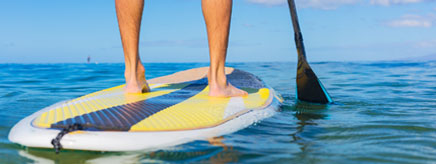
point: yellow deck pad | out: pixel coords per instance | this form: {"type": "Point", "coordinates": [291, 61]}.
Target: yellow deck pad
{"type": "Point", "coordinates": [199, 111]}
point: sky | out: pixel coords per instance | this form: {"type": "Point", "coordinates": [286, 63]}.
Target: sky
{"type": "Point", "coordinates": [173, 31]}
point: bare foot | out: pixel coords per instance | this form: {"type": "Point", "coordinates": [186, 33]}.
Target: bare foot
{"type": "Point", "coordinates": [135, 80]}
{"type": "Point", "coordinates": [227, 90]}
{"type": "Point", "coordinates": [137, 87]}
{"type": "Point", "coordinates": [223, 88]}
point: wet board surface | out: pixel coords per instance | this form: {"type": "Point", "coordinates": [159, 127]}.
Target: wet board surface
{"type": "Point", "coordinates": [177, 104]}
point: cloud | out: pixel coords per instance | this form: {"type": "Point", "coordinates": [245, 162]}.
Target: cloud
{"type": "Point", "coordinates": [333, 4]}
{"type": "Point", "coordinates": [425, 44]}
{"type": "Point", "coordinates": [320, 4]}
{"type": "Point", "coordinates": [393, 2]}
{"type": "Point", "coordinates": [326, 4]}
{"type": "Point", "coordinates": [412, 21]}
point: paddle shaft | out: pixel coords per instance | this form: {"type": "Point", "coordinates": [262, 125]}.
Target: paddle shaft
{"type": "Point", "coordinates": [297, 31]}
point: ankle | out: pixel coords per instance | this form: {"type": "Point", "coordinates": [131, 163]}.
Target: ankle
{"type": "Point", "coordinates": [140, 68]}
{"type": "Point", "coordinates": [217, 79]}
{"type": "Point", "coordinates": [134, 73]}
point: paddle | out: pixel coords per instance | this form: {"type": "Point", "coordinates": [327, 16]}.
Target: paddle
{"type": "Point", "coordinates": [309, 88]}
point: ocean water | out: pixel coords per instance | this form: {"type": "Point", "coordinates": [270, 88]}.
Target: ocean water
{"type": "Point", "coordinates": [384, 112]}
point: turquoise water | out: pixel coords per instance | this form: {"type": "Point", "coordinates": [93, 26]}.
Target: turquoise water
{"type": "Point", "coordinates": [385, 112]}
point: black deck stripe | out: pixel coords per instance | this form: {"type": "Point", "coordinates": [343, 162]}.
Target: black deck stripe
{"type": "Point", "coordinates": [111, 118]}
{"type": "Point", "coordinates": [126, 115]}
{"type": "Point", "coordinates": [89, 116]}
{"type": "Point", "coordinates": [123, 120]}
{"type": "Point", "coordinates": [140, 113]}
{"type": "Point", "coordinates": [105, 117]}
{"type": "Point", "coordinates": [126, 111]}
{"type": "Point", "coordinates": [111, 113]}
{"type": "Point", "coordinates": [92, 116]}
{"type": "Point", "coordinates": [69, 111]}
{"type": "Point", "coordinates": [97, 120]}
{"type": "Point", "coordinates": [100, 116]}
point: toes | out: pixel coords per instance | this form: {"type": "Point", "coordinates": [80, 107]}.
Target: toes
{"type": "Point", "coordinates": [242, 92]}
{"type": "Point", "coordinates": [145, 88]}
{"type": "Point", "coordinates": [134, 88]}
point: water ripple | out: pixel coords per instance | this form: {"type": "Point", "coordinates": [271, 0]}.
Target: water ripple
{"type": "Point", "coordinates": [384, 112]}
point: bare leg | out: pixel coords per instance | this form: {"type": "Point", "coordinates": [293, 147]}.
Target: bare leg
{"type": "Point", "coordinates": [217, 15]}
{"type": "Point", "coordinates": [129, 14]}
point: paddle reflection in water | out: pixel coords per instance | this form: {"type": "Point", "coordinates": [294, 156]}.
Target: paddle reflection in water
{"type": "Point", "coordinates": [307, 115]}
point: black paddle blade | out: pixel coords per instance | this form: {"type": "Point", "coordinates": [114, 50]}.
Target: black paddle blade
{"type": "Point", "coordinates": [309, 88]}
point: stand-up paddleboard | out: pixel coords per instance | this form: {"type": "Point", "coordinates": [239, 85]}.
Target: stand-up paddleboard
{"type": "Point", "coordinates": [177, 110]}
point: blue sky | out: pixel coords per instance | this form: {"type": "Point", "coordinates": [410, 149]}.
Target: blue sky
{"type": "Point", "coordinates": [174, 31]}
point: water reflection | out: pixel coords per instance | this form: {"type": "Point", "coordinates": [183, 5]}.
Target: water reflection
{"type": "Point", "coordinates": [303, 134]}
{"type": "Point", "coordinates": [212, 151]}
{"type": "Point", "coordinates": [307, 115]}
